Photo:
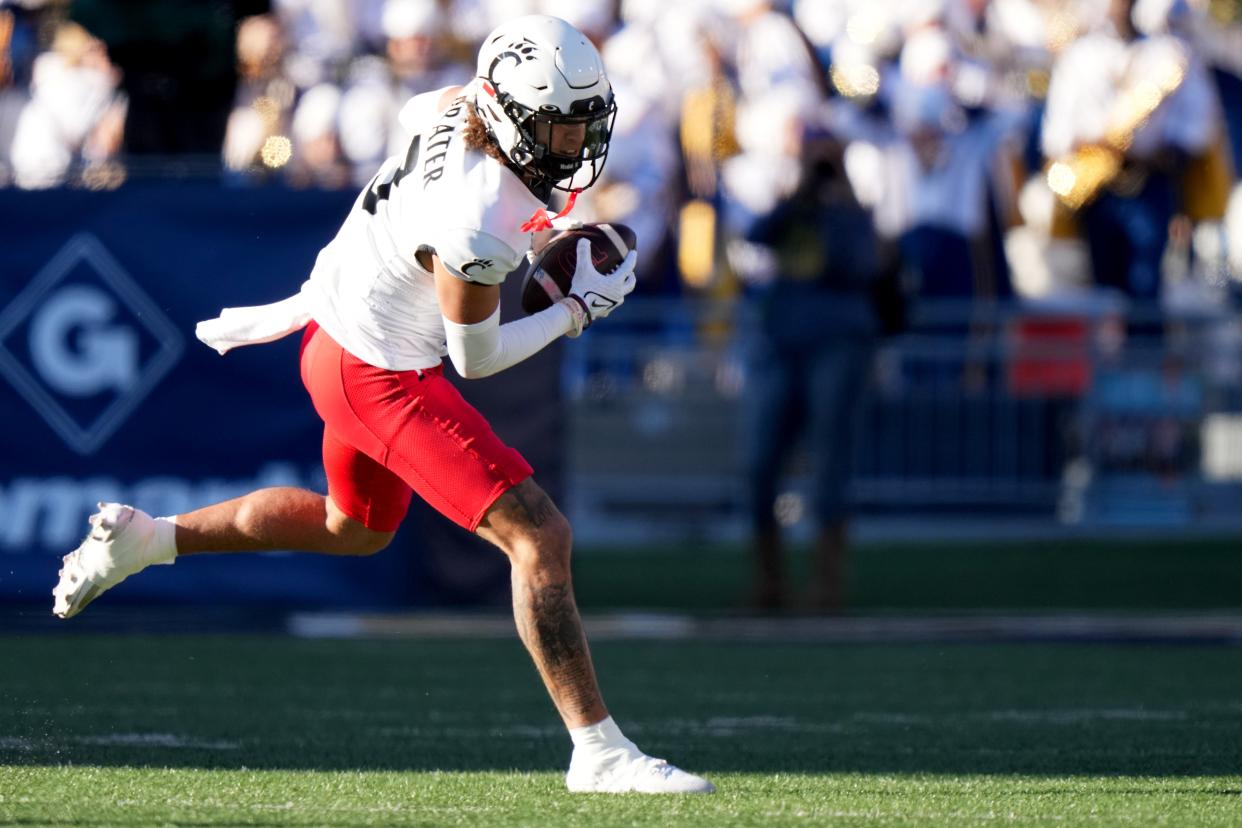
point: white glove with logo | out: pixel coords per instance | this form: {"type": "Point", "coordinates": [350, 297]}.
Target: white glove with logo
{"type": "Point", "coordinates": [599, 294]}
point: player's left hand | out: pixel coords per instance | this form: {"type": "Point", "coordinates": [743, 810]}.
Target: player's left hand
{"type": "Point", "coordinates": [601, 293]}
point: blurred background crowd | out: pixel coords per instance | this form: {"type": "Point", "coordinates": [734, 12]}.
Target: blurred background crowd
{"type": "Point", "coordinates": [981, 137]}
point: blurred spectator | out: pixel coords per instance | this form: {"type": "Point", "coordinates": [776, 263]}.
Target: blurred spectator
{"type": "Point", "coordinates": [779, 86]}
{"type": "Point", "coordinates": [807, 374]}
{"type": "Point", "coordinates": [822, 23]}
{"type": "Point", "coordinates": [417, 58]}
{"type": "Point", "coordinates": [772, 56]}
{"type": "Point", "coordinates": [19, 36]}
{"type": "Point", "coordinates": [663, 51]}
{"type": "Point", "coordinates": [73, 114]}
{"type": "Point", "coordinates": [1217, 36]}
{"type": "Point", "coordinates": [471, 20]}
{"type": "Point", "coordinates": [368, 24]}
{"type": "Point", "coordinates": [317, 160]}
{"type": "Point", "coordinates": [1002, 44]}
{"type": "Point", "coordinates": [417, 48]}
{"type": "Point", "coordinates": [265, 97]}
{"type": "Point", "coordinates": [13, 98]}
{"type": "Point", "coordinates": [420, 57]}
{"type": "Point", "coordinates": [639, 183]}
{"type": "Point", "coordinates": [1099, 108]}
{"type": "Point", "coordinates": [1233, 233]}
{"type": "Point", "coordinates": [321, 39]}
{"type": "Point", "coordinates": [942, 165]}
{"type": "Point", "coordinates": [796, 233]}
{"type": "Point", "coordinates": [939, 173]}
{"type": "Point", "coordinates": [368, 127]}
{"type": "Point", "coordinates": [176, 62]}
{"type": "Point", "coordinates": [594, 18]}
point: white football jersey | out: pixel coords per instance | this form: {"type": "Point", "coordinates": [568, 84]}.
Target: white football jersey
{"type": "Point", "coordinates": [367, 289]}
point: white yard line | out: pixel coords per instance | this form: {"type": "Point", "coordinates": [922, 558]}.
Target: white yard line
{"type": "Point", "coordinates": [160, 740]}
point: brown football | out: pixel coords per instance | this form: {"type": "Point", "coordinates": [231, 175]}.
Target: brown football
{"type": "Point", "coordinates": [549, 276]}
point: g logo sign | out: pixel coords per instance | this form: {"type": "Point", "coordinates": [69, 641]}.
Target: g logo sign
{"type": "Point", "coordinates": [105, 357]}
{"type": "Point", "coordinates": [84, 344]}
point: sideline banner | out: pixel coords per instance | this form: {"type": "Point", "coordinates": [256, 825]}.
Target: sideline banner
{"type": "Point", "coordinates": [106, 395]}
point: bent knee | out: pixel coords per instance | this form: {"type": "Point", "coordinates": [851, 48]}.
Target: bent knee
{"type": "Point", "coordinates": [526, 524]}
{"type": "Point", "coordinates": [370, 542]}
{"type": "Point", "coordinates": [544, 547]}
{"type": "Point", "coordinates": [543, 524]}
{"type": "Point", "coordinates": [355, 538]}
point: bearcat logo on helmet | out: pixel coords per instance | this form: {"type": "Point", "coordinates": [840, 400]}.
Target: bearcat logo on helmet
{"type": "Point", "coordinates": [538, 78]}
{"type": "Point", "coordinates": [524, 49]}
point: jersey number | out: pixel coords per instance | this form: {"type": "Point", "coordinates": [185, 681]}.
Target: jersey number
{"type": "Point", "coordinates": [382, 184]}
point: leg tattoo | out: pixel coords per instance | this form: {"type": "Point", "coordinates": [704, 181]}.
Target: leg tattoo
{"type": "Point", "coordinates": [526, 524]}
{"type": "Point", "coordinates": [549, 625]}
{"type": "Point", "coordinates": [535, 506]}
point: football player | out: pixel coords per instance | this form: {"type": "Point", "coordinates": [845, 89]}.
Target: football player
{"type": "Point", "coordinates": [412, 275]}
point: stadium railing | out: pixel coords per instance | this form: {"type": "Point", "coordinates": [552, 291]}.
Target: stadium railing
{"type": "Point", "coordinates": [1049, 415]}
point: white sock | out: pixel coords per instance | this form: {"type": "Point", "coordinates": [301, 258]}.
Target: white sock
{"type": "Point", "coordinates": [599, 737]}
{"type": "Point", "coordinates": [162, 548]}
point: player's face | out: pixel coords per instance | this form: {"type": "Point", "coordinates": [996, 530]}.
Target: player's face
{"type": "Point", "coordinates": [562, 139]}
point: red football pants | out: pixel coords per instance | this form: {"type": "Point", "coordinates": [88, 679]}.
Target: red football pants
{"type": "Point", "coordinates": [388, 433]}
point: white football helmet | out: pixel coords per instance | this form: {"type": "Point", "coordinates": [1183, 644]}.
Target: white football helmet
{"type": "Point", "coordinates": [544, 97]}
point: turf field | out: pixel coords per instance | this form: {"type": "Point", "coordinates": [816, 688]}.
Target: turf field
{"type": "Point", "coordinates": [1153, 572]}
{"type": "Point", "coordinates": [272, 730]}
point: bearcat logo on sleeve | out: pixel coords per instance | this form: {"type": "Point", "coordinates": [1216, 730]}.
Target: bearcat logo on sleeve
{"type": "Point", "coordinates": [484, 264]}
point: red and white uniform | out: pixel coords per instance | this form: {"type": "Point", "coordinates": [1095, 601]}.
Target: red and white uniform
{"type": "Point", "coordinates": [367, 289]}
{"type": "Point", "coordinates": [375, 337]}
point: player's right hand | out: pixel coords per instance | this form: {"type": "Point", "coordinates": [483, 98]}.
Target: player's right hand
{"type": "Point", "coordinates": [601, 293]}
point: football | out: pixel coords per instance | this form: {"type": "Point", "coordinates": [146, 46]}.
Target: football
{"type": "Point", "coordinates": [548, 278]}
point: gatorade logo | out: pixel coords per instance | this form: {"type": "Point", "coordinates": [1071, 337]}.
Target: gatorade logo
{"type": "Point", "coordinates": [84, 345]}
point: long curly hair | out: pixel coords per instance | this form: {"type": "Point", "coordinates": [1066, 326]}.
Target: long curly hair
{"type": "Point", "coordinates": [478, 138]}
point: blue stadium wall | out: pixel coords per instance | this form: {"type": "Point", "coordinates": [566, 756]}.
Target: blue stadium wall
{"type": "Point", "coordinates": [105, 394]}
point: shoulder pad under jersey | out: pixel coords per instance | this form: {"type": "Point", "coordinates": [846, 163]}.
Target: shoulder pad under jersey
{"type": "Point", "coordinates": [421, 111]}
{"type": "Point", "coordinates": [475, 256]}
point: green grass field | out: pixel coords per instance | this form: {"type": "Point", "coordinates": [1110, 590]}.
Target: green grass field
{"type": "Point", "coordinates": [1126, 573]}
{"type": "Point", "coordinates": [271, 730]}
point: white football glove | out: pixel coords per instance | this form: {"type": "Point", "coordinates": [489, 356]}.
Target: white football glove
{"type": "Point", "coordinates": [600, 294]}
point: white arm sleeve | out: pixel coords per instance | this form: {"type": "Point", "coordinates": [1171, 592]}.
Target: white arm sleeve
{"type": "Point", "coordinates": [484, 348]}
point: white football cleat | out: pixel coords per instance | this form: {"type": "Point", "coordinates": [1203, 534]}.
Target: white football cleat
{"type": "Point", "coordinates": [123, 540]}
{"type": "Point", "coordinates": [631, 772]}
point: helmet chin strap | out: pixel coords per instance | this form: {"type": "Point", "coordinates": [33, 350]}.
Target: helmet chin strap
{"type": "Point", "coordinates": [540, 220]}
